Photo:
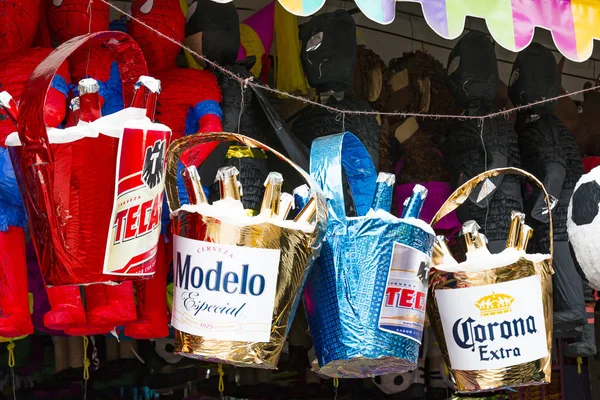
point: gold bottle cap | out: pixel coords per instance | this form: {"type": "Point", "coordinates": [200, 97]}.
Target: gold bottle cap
{"type": "Point", "coordinates": [308, 212]}
{"type": "Point", "coordinates": [228, 184]}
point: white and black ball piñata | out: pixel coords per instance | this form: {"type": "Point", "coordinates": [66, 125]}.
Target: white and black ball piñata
{"type": "Point", "coordinates": [396, 383]}
{"type": "Point", "coordinates": [165, 348]}
{"type": "Point", "coordinates": [583, 225]}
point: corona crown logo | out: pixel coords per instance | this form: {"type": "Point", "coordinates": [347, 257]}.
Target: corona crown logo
{"type": "Point", "coordinates": [494, 304]}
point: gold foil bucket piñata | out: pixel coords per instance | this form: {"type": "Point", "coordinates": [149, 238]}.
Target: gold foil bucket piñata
{"type": "Point", "coordinates": [296, 249]}
{"type": "Point", "coordinates": [493, 320]}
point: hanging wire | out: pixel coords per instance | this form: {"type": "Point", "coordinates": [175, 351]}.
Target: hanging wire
{"type": "Point", "coordinates": [334, 109]}
{"type": "Point", "coordinates": [485, 168]}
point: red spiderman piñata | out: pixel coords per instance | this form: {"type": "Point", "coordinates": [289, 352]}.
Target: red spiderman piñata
{"type": "Point", "coordinates": [105, 306]}
{"type": "Point", "coordinates": [18, 24]}
{"type": "Point", "coordinates": [189, 103]}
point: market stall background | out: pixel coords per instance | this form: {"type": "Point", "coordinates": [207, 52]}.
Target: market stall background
{"type": "Point", "coordinates": [410, 31]}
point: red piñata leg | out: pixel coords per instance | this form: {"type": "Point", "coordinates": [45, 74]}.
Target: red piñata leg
{"type": "Point", "coordinates": [66, 308]}
{"type": "Point", "coordinates": [15, 319]}
{"type": "Point", "coordinates": [109, 305]}
{"type": "Point", "coordinates": [152, 302]}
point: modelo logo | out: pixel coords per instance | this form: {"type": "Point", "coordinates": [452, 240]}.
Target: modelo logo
{"type": "Point", "coordinates": [214, 280]}
{"type": "Point", "coordinates": [470, 334]}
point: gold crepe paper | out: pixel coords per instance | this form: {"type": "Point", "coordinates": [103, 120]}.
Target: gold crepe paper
{"type": "Point", "coordinates": [298, 251]}
{"type": "Point", "coordinates": [531, 373]}
{"type": "Point", "coordinates": [245, 152]}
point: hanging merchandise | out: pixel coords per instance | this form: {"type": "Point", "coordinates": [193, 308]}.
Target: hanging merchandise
{"type": "Point", "coordinates": [410, 147]}
{"type": "Point", "coordinates": [365, 299]}
{"type": "Point", "coordinates": [66, 306]}
{"type": "Point", "coordinates": [492, 314]}
{"type": "Point", "coordinates": [213, 30]}
{"type": "Point", "coordinates": [549, 151]}
{"type": "Point", "coordinates": [256, 36]}
{"type": "Point", "coordinates": [474, 146]}
{"type": "Point", "coordinates": [511, 24]}
{"type": "Point", "coordinates": [369, 78]}
{"type": "Point", "coordinates": [224, 309]}
{"type": "Point", "coordinates": [90, 248]}
{"type": "Point", "coordinates": [289, 76]}
{"type": "Point", "coordinates": [245, 108]}
{"type": "Point", "coordinates": [570, 114]}
{"type": "Point", "coordinates": [24, 15]}
{"type": "Point", "coordinates": [328, 57]}
{"type": "Point", "coordinates": [184, 111]}
{"type": "Point", "coordinates": [71, 18]}
{"type": "Point", "coordinates": [587, 132]}
{"type": "Point", "coordinates": [18, 62]}
{"type": "Point", "coordinates": [582, 225]}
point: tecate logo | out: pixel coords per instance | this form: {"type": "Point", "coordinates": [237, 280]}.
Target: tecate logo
{"type": "Point", "coordinates": [137, 220]}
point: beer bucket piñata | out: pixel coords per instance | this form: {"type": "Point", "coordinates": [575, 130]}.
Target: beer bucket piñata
{"type": "Point", "coordinates": [492, 314]}
{"type": "Point", "coordinates": [238, 278]}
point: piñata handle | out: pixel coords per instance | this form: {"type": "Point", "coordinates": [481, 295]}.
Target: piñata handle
{"type": "Point", "coordinates": [36, 160]}
{"type": "Point", "coordinates": [461, 194]}
{"type": "Point", "coordinates": [178, 147]}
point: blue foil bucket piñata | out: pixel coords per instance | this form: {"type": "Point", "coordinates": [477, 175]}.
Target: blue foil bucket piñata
{"type": "Point", "coordinates": [365, 298]}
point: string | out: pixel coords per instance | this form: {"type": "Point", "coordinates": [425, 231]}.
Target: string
{"type": "Point", "coordinates": [89, 12]}
{"type": "Point", "coordinates": [11, 363]}
{"type": "Point", "coordinates": [336, 384]}
{"type": "Point", "coordinates": [485, 164]}
{"type": "Point", "coordinates": [86, 366]}
{"type": "Point", "coordinates": [412, 33]}
{"type": "Point", "coordinates": [342, 117]}
{"type": "Point", "coordinates": [243, 86]}
{"type": "Point", "coordinates": [267, 88]}
{"type": "Point", "coordinates": [11, 354]}
{"type": "Point", "coordinates": [221, 382]}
